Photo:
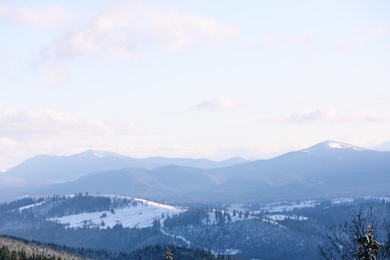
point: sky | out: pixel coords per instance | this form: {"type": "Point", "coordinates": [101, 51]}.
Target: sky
{"type": "Point", "coordinates": [200, 79]}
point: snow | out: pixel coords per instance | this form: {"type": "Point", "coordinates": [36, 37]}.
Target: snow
{"type": "Point", "coordinates": [383, 198]}
{"type": "Point", "coordinates": [178, 237]}
{"type": "Point", "coordinates": [273, 222]}
{"type": "Point", "coordinates": [237, 207]}
{"type": "Point", "coordinates": [338, 145]}
{"type": "Point", "coordinates": [279, 217]}
{"type": "Point", "coordinates": [289, 206]}
{"type": "Point", "coordinates": [189, 243]}
{"type": "Point", "coordinates": [341, 201]}
{"type": "Point", "coordinates": [308, 151]}
{"type": "Point", "coordinates": [31, 206]}
{"type": "Point", "coordinates": [226, 252]}
{"type": "Point", "coordinates": [157, 205]}
{"type": "Point", "coordinates": [98, 154]}
{"type": "Point", "coordinates": [139, 216]}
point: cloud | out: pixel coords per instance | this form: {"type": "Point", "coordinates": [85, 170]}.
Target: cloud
{"type": "Point", "coordinates": [49, 122]}
{"type": "Point", "coordinates": [309, 115]}
{"type": "Point", "coordinates": [55, 75]}
{"type": "Point", "coordinates": [327, 115]}
{"type": "Point", "coordinates": [366, 35]}
{"type": "Point", "coordinates": [223, 103]}
{"type": "Point", "coordinates": [125, 27]}
{"type": "Point", "coordinates": [268, 39]}
{"type": "Point", "coordinates": [381, 30]}
{"type": "Point", "coordinates": [50, 17]}
{"type": "Point", "coordinates": [376, 31]}
{"type": "Point", "coordinates": [350, 46]}
{"type": "Point", "coordinates": [301, 39]}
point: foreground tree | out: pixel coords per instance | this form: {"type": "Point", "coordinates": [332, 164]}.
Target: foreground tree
{"type": "Point", "coordinates": [168, 254]}
{"type": "Point", "coordinates": [357, 240]}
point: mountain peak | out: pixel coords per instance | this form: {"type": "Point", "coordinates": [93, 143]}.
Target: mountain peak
{"type": "Point", "coordinates": [328, 145]}
{"type": "Point", "coordinates": [99, 153]}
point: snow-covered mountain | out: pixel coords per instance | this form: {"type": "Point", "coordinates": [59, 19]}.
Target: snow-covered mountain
{"type": "Point", "coordinates": [48, 168]}
{"type": "Point", "coordinates": [329, 145]}
{"type": "Point", "coordinates": [329, 169]}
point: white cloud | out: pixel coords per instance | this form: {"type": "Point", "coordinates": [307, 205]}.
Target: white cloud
{"type": "Point", "coordinates": [350, 46]}
{"type": "Point", "coordinates": [55, 75]}
{"type": "Point", "coordinates": [268, 39]}
{"type": "Point", "coordinates": [223, 103]}
{"type": "Point", "coordinates": [49, 122]}
{"type": "Point", "coordinates": [381, 30]}
{"type": "Point", "coordinates": [2, 68]}
{"type": "Point", "coordinates": [310, 115]}
{"type": "Point", "coordinates": [376, 31]}
{"type": "Point", "coordinates": [50, 17]}
{"type": "Point", "coordinates": [123, 28]}
{"type": "Point", "coordinates": [366, 35]}
{"type": "Point", "coordinates": [301, 39]}
{"type": "Point", "coordinates": [328, 115]}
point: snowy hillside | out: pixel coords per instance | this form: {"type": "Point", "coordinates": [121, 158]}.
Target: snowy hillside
{"type": "Point", "coordinates": [137, 214]}
{"type": "Point", "coordinates": [130, 212]}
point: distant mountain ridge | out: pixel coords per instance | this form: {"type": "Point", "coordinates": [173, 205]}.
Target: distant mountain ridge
{"type": "Point", "coordinates": [326, 170]}
{"type": "Point", "coordinates": [51, 168]}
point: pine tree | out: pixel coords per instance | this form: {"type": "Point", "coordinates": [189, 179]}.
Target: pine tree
{"type": "Point", "coordinates": [168, 254]}
{"type": "Point", "coordinates": [368, 247]}
{"type": "Point", "coordinates": [355, 240]}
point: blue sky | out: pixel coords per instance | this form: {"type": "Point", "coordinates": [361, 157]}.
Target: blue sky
{"type": "Point", "coordinates": [211, 79]}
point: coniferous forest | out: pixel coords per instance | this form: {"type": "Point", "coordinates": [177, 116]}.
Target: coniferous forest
{"type": "Point", "coordinates": [200, 231]}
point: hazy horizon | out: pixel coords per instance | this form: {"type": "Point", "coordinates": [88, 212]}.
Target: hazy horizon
{"type": "Point", "coordinates": [212, 159]}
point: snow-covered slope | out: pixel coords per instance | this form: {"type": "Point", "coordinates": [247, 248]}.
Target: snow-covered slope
{"type": "Point", "coordinates": [139, 213]}
{"type": "Point", "coordinates": [331, 145]}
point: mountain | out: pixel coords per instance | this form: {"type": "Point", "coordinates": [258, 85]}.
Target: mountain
{"type": "Point", "coordinates": [323, 170]}
{"type": "Point", "coordinates": [382, 147]}
{"type": "Point", "coordinates": [326, 170]}
{"type": "Point", "coordinates": [48, 168]}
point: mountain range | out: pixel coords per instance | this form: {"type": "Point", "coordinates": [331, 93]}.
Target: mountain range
{"type": "Point", "coordinates": [326, 170]}
{"type": "Point", "coordinates": [51, 168]}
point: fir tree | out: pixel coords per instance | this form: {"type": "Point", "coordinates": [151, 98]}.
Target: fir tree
{"type": "Point", "coordinates": [168, 254]}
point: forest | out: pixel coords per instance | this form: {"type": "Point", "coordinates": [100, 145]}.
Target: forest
{"type": "Point", "coordinates": [284, 230]}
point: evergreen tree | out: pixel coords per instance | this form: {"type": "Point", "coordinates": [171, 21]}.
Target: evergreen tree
{"type": "Point", "coordinates": [368, 247]}
{"type": "Point", "coordinates": [355, 240]}
{"type": "Point", "coordinates": [168, 254]}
